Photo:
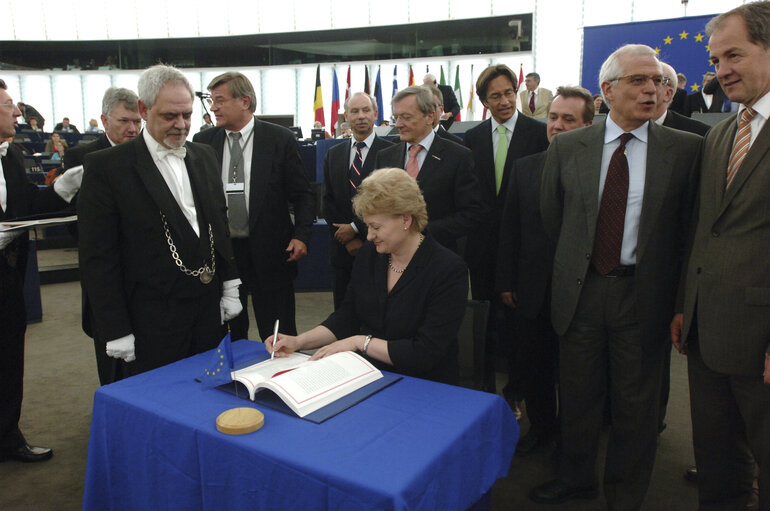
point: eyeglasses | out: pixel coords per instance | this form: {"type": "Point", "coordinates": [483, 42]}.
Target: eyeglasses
{"type": "Point", "coordinates": [641, 80]}
{"type": "Point", "coordinates": [497, 96]}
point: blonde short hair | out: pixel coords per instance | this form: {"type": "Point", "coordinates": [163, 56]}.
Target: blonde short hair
{"type": "Point", "coordinates": [391, 192]}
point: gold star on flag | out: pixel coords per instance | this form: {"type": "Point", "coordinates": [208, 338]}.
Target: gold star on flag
{"type": "Point", "coordinates": [695, 87]}
{"type": "Point", "coordinates": [657, 50]}
{"type": "Point", "coordinates": [683, 35]}
{"type": "Point", "coordinates": [708, 48]}
{"type": "Point", "coordinates": [699, 38]}
{"type": "Point", "coordinates": [667, 40]}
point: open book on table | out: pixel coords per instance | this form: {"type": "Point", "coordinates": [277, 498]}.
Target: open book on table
{"type": "Point", "coordinates": [304, 385]}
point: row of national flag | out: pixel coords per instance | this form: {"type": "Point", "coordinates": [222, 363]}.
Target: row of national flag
{"type": "Point", "coordinates": [318, 107]}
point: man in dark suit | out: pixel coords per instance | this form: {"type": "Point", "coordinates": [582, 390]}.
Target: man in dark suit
{"type": "Point", "coordinates": [451, 105]}
{"type": "Point", "coordinates": [443, 169]}
{"type": "Point", "coordinates": [665, 116]}
{"type": "Point", "coordinates": [496, 143]}
{"type": "Point", "coordinates": [345, 166]}
{"type": "Point", "coordinates": [616, 197]}
{"type": "Point", "coordinates": [703, 101]}
{"type": "Point", "coordinates": [155, 259]}
{"type": "Point", "coordinates": [438, 128]}
{"type": "Point", "coordinates": [664, 113]}
{"type": "Point", "coordinates": [680, 94]}
{"type": "Point", "coordinates": [66, 127]}
{"type": "Point", "coordinates": [263, 175]}
{"type": "Point", "coordinates": [725, 329]}
{"type": "Point", "coordinates": [525, 263]}
{"type": "Point", "coordinates": [18, 198]}
{"type": "Point", "coordinates": [122, 122]}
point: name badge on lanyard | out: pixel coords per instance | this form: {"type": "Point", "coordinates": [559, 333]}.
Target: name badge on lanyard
{"type": "Point", "coordinates": [235, 188]}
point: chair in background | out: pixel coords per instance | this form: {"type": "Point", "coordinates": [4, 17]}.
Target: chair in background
{"type": "Point", "coordinates": [471, 341]}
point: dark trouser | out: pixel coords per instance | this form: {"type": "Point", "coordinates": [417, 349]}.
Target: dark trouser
{"type": "Point", "coordinates": [665, 387]}
{"type": "Point", "coordinates": [342, 265]}
{"type": "Point", "coordinates": [540, 358]}
{"type": "Point", "coordinates": [604, 339]}
{"type": "Point", "coordinates": [170, 328]}
{"type": "Point", "coordinates": [13, 325]}
{"type": "Point", "coordinates": [501, 337]}
{"type": "Point", "coordinates": [730, 421]}
{"type": "Point", "coordinates": [270, 302]}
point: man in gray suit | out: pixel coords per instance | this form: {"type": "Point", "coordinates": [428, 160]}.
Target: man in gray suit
{"type": "Point", "coordinates": [725, 328]}
{"type": "Point", "coordinates": [616, 196]}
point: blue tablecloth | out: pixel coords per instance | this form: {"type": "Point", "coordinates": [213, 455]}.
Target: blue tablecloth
{"type": "Point", "coordinates": [415, 445]}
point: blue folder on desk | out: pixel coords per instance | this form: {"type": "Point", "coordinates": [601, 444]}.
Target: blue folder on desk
{"type": "Point", "coordinates": [271, 400]}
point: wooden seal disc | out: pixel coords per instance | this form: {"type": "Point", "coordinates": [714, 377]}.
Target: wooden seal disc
{"type": "Point", "coordinates": [239, 421]}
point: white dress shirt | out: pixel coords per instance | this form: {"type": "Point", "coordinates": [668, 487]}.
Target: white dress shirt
{"type": "Point", "coordinates": [636, 154]}
{"type": "Point", "coordinates": [425, 143]}
{"type": "Point", "coordinates": [174, 172]}
{"type": "Point", "coordinates": [510, 124]}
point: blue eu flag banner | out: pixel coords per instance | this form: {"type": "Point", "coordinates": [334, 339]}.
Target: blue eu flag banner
{"type": "Point", "coordinates": [218, 370]}
{"type": "Point", "coordinates": [680, 42]}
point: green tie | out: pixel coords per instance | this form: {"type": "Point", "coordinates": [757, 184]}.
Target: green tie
{"type": "Point", "coordinates": [502, 152]}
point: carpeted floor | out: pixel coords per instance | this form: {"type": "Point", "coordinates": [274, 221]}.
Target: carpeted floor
{"type": "Point", "coordinates": [61, 379]}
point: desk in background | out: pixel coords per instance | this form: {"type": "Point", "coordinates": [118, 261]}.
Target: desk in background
{"type": "Point", "coordinates": [415, 445]}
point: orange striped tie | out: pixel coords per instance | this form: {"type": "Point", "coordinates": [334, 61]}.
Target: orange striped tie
{"type": "Point", "coordinates": [740, 146]}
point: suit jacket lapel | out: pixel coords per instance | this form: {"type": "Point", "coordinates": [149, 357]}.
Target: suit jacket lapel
{"type": "Point", "coordinates": [218, 143]}
{"type": "Point", "coordinates": [756, 153]}
{"type": "Point", "coordinates": [659, 150]}
{"type": "Point", "coordinates": [429, 171]}
{"type": "Point", "coordinates": [198, 183]}
{"type": "Point", "coordinates": [587, 162]}
{"type": "Point", "coordinates": [261, 168]}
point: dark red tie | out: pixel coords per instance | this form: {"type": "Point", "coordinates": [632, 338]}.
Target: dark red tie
{"type": "Point", "coordinates": [612, 211]}
{"type": "Point", "coordinates": [532, 102]}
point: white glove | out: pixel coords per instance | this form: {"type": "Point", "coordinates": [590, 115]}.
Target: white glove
{"type": "Point", "coordinates": [7, 237]}
{"type": "Point", "coordinates": [68, 183]}
{"type": "Point", "coordinates": [230, 304]}
{"type": "Point", "coordinates": [122, 348]}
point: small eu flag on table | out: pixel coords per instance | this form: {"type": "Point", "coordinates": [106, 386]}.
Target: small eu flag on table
{"type": "Point", "coordinates": [218, 370]}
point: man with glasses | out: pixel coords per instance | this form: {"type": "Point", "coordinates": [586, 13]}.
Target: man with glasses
{"type": "Point", "coordinates": [263, 176]}
{"type": "Point", "coordinates": [616, 197]}
{"type": "Point", "coordinates": [122, 122]}
{"type": "Point", "coordinates": [496, 143]}
{"type": "Point", "coordinates": [443, 169]}
{"type": "Point", "coordinates": [18, 198]}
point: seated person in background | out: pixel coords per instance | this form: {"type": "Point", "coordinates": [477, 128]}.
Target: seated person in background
{"type": "Point", "coordinates": [345, 131]}
{"type": "Point", "coordinates": [33, 124]}
{"type": "Point", "coordinates": [65, 126]}
{"type": "Point", "coordinates": [93, 126]}
{"type": "Point", "coordinates": [56, 145]}
{"type": "Point", "coordinates": [318, 126]}
{"type": "Point", "coordinates": [407, 293]}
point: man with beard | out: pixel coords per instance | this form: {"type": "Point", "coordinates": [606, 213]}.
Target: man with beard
{"type": "Point", "coordinates": [155, 259]}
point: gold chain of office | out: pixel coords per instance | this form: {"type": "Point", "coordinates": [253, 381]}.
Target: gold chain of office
{"type": "Point", "coordinates": [205, 273]}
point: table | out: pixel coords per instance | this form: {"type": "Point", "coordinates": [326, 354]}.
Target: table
{"type": "Point", "coordinates": [416, 445]}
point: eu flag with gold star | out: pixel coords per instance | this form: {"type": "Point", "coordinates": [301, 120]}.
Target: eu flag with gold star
{"type": "Point", "coordinates": [218, 370]}
{"type": "Point", "coordinates": [680, 42]}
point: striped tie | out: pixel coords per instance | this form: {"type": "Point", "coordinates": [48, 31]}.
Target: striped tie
{"type": "Point", "coordinates": [355, 169]}
{"type": "Point", "coordinates": [740, 146]}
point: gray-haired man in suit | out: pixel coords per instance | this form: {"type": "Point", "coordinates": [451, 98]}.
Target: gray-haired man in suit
{"type": "Point", "coordinates": [725, 328]}
{"type": "Point", "coordinates": [616, 196]}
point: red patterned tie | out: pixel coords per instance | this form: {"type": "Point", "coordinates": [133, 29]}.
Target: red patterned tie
{"type": "Point", "coordinates": [740, 146]}
{"type": "Point", "coordinates": [532, 102]}
{"type": "Point", "coordinates": [612, 211]}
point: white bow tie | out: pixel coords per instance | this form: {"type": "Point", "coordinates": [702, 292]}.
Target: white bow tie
{"type": "Point", "coordinates": [179, 152]}
{"type": "Point", "coordinates": [3, 149]}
